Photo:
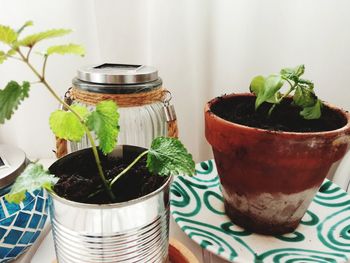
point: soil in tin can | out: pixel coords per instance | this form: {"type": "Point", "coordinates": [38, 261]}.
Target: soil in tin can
{"type": "Point", "coordinates": [285, 116]}
{"type": "Point", "coordinates": [79, 180]}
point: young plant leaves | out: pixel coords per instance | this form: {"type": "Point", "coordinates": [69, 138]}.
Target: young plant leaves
{"type": "Point", "coordinates": [304, 97]}
{"type": "Point", "coordinates": [66, 49]}
{"type": "Point", "coordinates": [33, 178]}
{"type": "Point", "coordinates": [26, 24]}
{"type": "Point", "coordinates": [31, 40]}
{"type": "Point", "coordinates": [104, 122]}
{"type": "Point", "coordinates": [293, 72]}
{"type": "Point", "coordinates": [312, 112]}
{"type": "Point", "coordinates": [257, 85]}
{"type": "Point", "coordinates": [2, 57]}
{"type": "Point", "coordinates": [11, 97]}
{"type": "Point", "coordinates": [66, 125]}
{"type": "Point", "coordinates": [168, 156]}
{"type": "Point", "coordinates": [268, 90]}
{"type": "Point", "coordinates": [267, 93]}
{"type": "Point", "coordinates": [7, 35]}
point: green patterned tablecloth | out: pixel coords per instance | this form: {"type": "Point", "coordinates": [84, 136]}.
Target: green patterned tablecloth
{"type": "Point", "coordinates": [323, 235]}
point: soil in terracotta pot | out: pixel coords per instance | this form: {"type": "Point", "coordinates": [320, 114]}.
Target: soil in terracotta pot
{"type": "Point", "coordinates": [285, 116]}
{"type": "Point", "coordinates": [79, 180]}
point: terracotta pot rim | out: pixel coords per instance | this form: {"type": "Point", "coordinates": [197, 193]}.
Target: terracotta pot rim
{"type": "Point", "coordinates": [208, 112]}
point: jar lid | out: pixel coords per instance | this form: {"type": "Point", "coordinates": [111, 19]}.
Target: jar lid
{"type": "Point", "coordinates": [12, 163]}
{"type": "Point", "coordinates": [109, 73]}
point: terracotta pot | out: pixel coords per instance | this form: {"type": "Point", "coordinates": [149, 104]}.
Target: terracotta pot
{"type": "Point", "coordinates": [269, 178]}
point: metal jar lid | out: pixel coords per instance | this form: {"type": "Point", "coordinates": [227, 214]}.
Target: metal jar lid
{"type": "Point", "coordinates": [12, 163]}
{"type": "Point", "coordinates": [117, 78]}
{"type": "Point", "coordinates": [109, 73]}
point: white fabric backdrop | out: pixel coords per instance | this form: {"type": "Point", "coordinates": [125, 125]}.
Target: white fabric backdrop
{"type": "Point", "coordinates": [202, 48]}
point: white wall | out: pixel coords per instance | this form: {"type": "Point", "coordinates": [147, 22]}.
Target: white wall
{"type": "Point", "coordinates": [202, 48]}
{"type": "Point", "coordinates": [29, 129]}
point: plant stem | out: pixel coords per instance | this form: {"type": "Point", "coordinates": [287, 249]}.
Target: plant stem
{"type": "Point", "coordinates": [99, 166]}
{"type": "Point", "coordinates": [44, 66]}
{"type": "Point", "coordinates": [14, 58]}
{"type": "Point", "coordinates": [292, 87]}
{"type": "Point", "coordinates": [29, 51]}
{"type": "Point", "coordinates": [128, 168]}
{"type": "Point", "coordinates": [88, 133]}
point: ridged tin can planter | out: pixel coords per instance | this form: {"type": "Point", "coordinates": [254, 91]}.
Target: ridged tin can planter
{"type": "Point", "coordinates": [269, 178]}
{"type": "Point", "coordinates": [133, 231]}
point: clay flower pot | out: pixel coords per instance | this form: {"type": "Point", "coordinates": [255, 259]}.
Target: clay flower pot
{"type": "Point", "coordinates": [269, 178]}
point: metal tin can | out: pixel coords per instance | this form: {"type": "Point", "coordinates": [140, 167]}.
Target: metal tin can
{"type": "Point", "coordinates": [128, 232]}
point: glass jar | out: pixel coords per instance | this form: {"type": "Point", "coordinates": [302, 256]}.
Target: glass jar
{"type": "Point", "coordinates": [137, 89]}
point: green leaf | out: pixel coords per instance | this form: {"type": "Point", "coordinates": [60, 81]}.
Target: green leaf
{"type": "Point", "coordinates": [11, 97]}
{"type": "Point", "coordinates": [275, 98]}
{"type": "Point", "coordinates": [11, 52]}
{"type": "Point", "coordinates": [33, 178]}
{"type": "Point", "coordinates": [304, 97]}
{"type": "Point", "coordinates": [312, 112]}
{"type": "Point", "coordinates": [31, 40]}
{"type": "Point", "coordinates": [290, 72]}
{"type": "Point", "coordinates": [104, 122]}
{"type": "Point", "coordinates": [7, 35]}
{"type": "Point", "coordinates": [66, 125]}
{"type": "Point", "coordinates": [305, 81]}
{"type": "Point", "coordinates": [272, 85]}
{"type": "Point", "coordinates": [168, 156]}
{"type": "Point", "coordinates": [66, 49]}
{"type": "Point", "coordinates": [26, 24]}
{"type": "Point", "coordinates": [299, 70]}
{"type": "Point", "coordinates": [257, 85]}
{"type": "Point", "coordinates": [3, 57]}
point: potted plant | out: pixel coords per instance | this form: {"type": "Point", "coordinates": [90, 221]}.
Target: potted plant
{"type": "Point", "coordinates": [274, 150]}
{"type": "Point", "coordinates": [108, 203]}
{"type": "Point", "coordinates": [21, 225]}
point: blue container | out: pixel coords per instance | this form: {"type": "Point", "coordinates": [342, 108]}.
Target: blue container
{"type": "Point", "coordinates": [20, 225]}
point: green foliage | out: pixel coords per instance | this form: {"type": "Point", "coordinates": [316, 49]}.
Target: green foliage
{"type": "Point", "coordinates": [293, 72]}
{"type": "Point", "coordinates": [3, 57]}
{"type": "Point", "coordinates": [7, 35]}
{"type": "Point", "coordinates": [31, 40]}
{"type": "Point", "coordinates": [11, 97]}
{"type": "Point", "coordinates": [66, 49]}
{"type": "Point", "coordinates": [268, 90]}
{"type": "Point", "coordinates": [257, 84]}
{"type": "Point", "coordinates": [168, 156]}
{"type": "Point", "coordinates": [33, 177]}
{"type": "Point", "coordinates": [312, 112]}
{"type": "Point", "coordinates": [26, 24]}
{"type": "Point", "coordinates": [104, 122]}
{"type": "Point", "coordinates": [304, 97]}
{"type": "Point", "coordinates": [66, 125]}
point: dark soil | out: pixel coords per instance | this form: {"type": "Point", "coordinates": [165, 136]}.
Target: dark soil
{"type": "Point", "coordinates": [285, 116]}
{"type": "Point", "coordinates": [80, 182]}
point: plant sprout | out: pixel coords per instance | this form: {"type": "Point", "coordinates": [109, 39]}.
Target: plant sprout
{"type": "Point", "coordinates": [167, 156]}
{"type": "Point", "coordinates": [267, 89]}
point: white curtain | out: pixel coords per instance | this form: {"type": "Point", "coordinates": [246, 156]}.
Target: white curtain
{"type": "Point", "coordinates": [202, 48]}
